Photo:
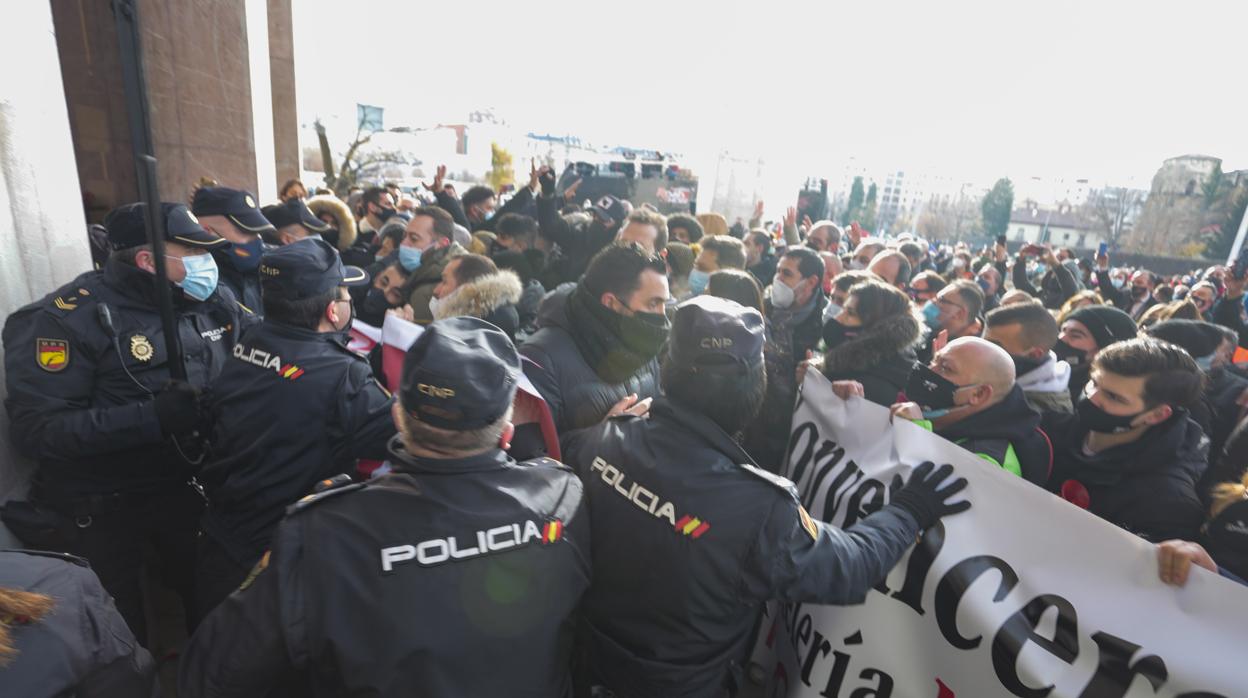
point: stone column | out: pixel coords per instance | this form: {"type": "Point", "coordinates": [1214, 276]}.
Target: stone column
{"type": "Point", "coordinates": [287, 155]}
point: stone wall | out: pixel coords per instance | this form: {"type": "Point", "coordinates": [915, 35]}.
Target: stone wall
{"type": "Point", "coordinates": [1174, 211]}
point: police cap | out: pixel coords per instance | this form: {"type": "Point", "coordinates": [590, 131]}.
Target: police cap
{"type": "Point", "coordinates": [460, 374]}
{"type": "Point", "coordinates": [237, 205]}
{"type": "Point", "coordinates": [306, 269]}
{"type": "Point", "coordinates": [710, 333]}
{"type": "Point", "coordinates": [295, 212]}
{"type": "Point", "coordinates": [127, 227]}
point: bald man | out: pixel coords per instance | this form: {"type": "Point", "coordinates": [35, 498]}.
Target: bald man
{"type": "Point", "coordinates": [893, 267]}
{"type": "Point", "coordinates": [968, 395]}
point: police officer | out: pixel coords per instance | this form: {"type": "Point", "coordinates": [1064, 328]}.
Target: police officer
{"type": "Point", "coordinates": [60, 633]}
{"type": "Point", "coordinates": [700, 536]}
{"type": "Point", "coordinates": [454, 575]}
{"type": "Point", "coordinates": [232, 214]}
{"type": "Point", "coordinates": [294, 221]}
{"type": "Point", "coordinates": [293, 406]}
{"type": "Point", "coordinates": [90, 398]}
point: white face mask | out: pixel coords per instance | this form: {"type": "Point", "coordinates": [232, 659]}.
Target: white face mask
{"type": "Point", "coordinates": [781, 295]}
{"type": "Point", "coordinates": [435, 304]}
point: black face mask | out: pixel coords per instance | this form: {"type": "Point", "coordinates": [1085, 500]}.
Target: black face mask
{"type": "Point", "coordinates": [836, 334]}
{"type": "Point", "coordinates": [385, 214]}
{"type": "Point", "coordinates": [1139, 292]}
{"type": "Point", "coordinates": [373, 309]}
{"type": "Point", "coordinates": [1026, 364]}
{"type": "Point", "coordinates": [1096, 419]}
{"type": "Point", "coordinates": [1067, 353]}
{"type": "Point", "coordinates": [930, 389]}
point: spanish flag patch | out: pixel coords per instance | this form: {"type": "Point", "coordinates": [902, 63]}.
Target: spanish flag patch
{"type": "Point", "coordinates": [52, 355]}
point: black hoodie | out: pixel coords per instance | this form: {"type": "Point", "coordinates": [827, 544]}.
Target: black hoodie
{"type": "Point", "coordinates": [1011, 422]}
{"type": "Point", "coordinates": [1147, 487]}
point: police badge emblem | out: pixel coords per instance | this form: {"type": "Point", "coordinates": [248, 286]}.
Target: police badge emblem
{"type": "Point", "coordinates": [141, 348]}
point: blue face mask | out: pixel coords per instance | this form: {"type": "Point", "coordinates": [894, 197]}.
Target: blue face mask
{"type": "Point", "coordinates": [698, 280]}
{"type": "Point", "coordinates": [1118, 282]}
{"type": "Point", "coordinates": [1041, 269]}
{"type": "Point", "coordinates": [931, 315]}
{"type": "Point", "coordinates": [246, 257]}
{"type": "Point", "coordinates": [201, 276]}
{"type": "Point", "coordinates": [409, 257]}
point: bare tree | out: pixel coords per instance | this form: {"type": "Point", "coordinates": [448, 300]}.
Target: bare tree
{"type": "Point", "coordinates": [1111, 209]}
{"type": "Point", "coordinates": [355, 163]}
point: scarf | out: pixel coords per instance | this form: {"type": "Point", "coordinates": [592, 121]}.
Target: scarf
{"type": "Point", "coordinates": [614, 345]}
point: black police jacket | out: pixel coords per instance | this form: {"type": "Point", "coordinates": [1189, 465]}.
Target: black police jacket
{"type": "Point", "coordinates": [446, 578]}
{"type": "Point", "coordinates": [690, 539]}
{"type": "Point", "coordinates": [244, 285]}
{"type": "Point", "coordinates": [80, 394]}
{"type": "Point", "coordinates": [292, 407]}
{"type": "Point", "coordinates": [82, 646]}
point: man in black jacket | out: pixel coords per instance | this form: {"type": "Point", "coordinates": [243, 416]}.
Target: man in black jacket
{"type": "Point", "coordinates": [90, 398]}
{"type": "Point", "coordinates": [292, 408]}
{"type": "Point", "coordinates": [1136, 298]}
{"type": "Point", "coordinates": [698, 537]}
{"type": "Point", "coordinates": [233, 215]}
{"type": "Point", "coordinates": [1086, 332]}
{"type": "Point", "coordinates": [456, 574]}
{"type": "Point", "coordinates": [1130, 454]}
{"type": "Point", "coordinates": [1056, 284]}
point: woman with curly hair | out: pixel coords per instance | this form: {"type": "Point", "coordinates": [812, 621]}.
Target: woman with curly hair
{"type": "Point", "coordinates": [872, 340]}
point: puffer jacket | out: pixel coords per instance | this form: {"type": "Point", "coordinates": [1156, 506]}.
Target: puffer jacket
{"type": "Point", "coordinates": [492, 298]}
{"type": "Point", "coordinates": [880, 357]}
{"type": "Point", "coordinates": [419, 286]}
{"type": "Point", "coordinates": [577, 397]}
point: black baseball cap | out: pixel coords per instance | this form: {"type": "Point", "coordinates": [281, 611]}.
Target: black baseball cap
{"type": "Point", "coordinates": [127, 227]}
{"type": "Point", "coordinates": [710, 333]}
{"type": "Point", "coordinates": [306, 269]}
{"type": "Point", "coordinates": [237, 205]}
{"type": "Point", "coordinates": [292, 212]}
{"type": "Point", "coordinates": [611, 208]}
{"type": "Point", "coordinates": [460, 374]}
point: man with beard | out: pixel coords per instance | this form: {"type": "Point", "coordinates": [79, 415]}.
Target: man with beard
{"type": "Point", "coordinates": [597, 344]}
{"type": "Point", "coordinates": [1130, 454]}
{"type": "Point", "coordinates": [678, 589]}
{"type": "Point", "coordinates": [1086, 332]}
{"type": "Point", "coordinates": [233, 215]}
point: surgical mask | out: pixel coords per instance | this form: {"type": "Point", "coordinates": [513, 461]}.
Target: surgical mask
{"type": "Point", "coordinates": [1067, 353]}
{"type": "Point", "coordinates": [435, 304]}
{"type": "Point", "coordinates": [781, 295]}
{"type": "Point", "coordinates": [831, 311]}
{"type": "Point", "coordinates": [931, 315]}
{"type": "Point", "coordinates": [246, 257]}
{"type": "Point", "coordinates": [409, 257]}
{"type": "Point", "coordinates": [1096, 419]}
{"type": "Point", "coordinates": [201, 275]}
{"type": "Point", "coordinates": [698, 280]}
{"type": "Point", "coordinates": [1118, 283]}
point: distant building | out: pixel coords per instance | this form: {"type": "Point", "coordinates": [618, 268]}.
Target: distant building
{"type": "Point", "coordinates": [1060, 227]}
{"type": "Point", "coordinates": [1175, 210]}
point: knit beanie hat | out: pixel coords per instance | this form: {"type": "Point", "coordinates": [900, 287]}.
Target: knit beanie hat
{"type": "Point", "coordinates": [1106, 323]}
{"type": "Point", "coordinates": [1197, 337]}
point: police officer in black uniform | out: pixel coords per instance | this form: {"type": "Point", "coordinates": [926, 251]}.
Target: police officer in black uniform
{"type": "Point", "coordinates": [90, 398]}
{"type": "Point", "coordinates": [294, 221]}
{"type": "Point", "coordinates": [293, 406]}
{"type": "Point", "coordinates": [699, 536]}
{"type": "Point", "coordinates": [454, 575]}
{"type": "Point", "coordinates": [232, 214]}
{"type": "Point", "coordinates": [64, 632]}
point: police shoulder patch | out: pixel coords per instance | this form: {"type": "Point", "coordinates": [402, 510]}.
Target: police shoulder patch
{"type": "Point", "coordinates": [807, 522]}
{"type": "Point", "coordinates": [316, 497]}
{"type": "Point", "coordinates": [52, 355]}
{"type": "Point", "coordinates": [783, 483]}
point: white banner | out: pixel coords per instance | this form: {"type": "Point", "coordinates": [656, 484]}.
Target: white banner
{"type": "Point", "coordinates": [1023, 595]}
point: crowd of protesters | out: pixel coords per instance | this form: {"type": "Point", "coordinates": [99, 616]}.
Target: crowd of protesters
{"type": "Point", "coordinates": [668, 351]}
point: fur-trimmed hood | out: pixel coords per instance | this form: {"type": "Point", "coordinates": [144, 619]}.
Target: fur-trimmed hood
{"type": "Point", "coordinates": [481, 297]}
{"type": "Point", "coordinates": [887, 338]}
{"type": "Point", "coordinates": [326, 203]}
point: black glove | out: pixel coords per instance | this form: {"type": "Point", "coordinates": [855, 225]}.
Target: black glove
{"type": "Point", "coordinates": [547, 180]}
{"type": "Point", "coordinates": [177, 408]}
{"type": "Point", "coordinates": [924, 501]}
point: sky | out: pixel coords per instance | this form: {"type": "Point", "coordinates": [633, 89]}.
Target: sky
{"type": "Point", "coordinates": [1102, 89]}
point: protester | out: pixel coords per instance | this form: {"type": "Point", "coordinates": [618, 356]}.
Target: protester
{"type": "Point", "coordinates": [752, 541]}
{"type": "Point", "coordinates": [759, 260]}
{"type": "Point", "coordinates": [578, 238]}
{"type": "Point", "coordinates": [864, 253]}
{"type": "Point", "coordinates": [925, 285]}
{"type": "Point", "coordinates": [337, 215]}
{"type": "Point", "coordinates": [1084, 333]}
{"type": "Point", "coordinates": [824, 236]}
{"type": "Point", "coordinates": [1028, 333]}
{"type": "Point", "coordinates": [294, 407]}
{"type": "Point", "coordinates": [385, 292]}
{"type": "Point", "coordinates": [992, 283]}
{"type": "Point", "coordinates": [376, 206]}
{"type": "Point", "coordinates": [680, 259]}
{"type": "Point", "coordinates": [292, 221]}
{"type": "Point", "coordinates": [713, 224]}
{"type": "Point", "coordinates": [646, 228]}
{"type": "Point", "coordinates": [424, 253]}
{"type": "Point", "coordinates": [1224, 534]}
{"type": "Point", "coordinates": [1015, 295]}
{"type": "Point", "coordinates": [292, 189]}
{"type": "Point", "coordinates": [955, 312]}
{"type": "Point", "coordinates": [1057, 283]}
{"type": "Point", "coordinates": [232, 214]}
{"type": "Point", "coordinates": [968, 395]}
{"type": "Point", "coordinates": [333, 604]}
{"type": "Point", "coordinates": [91, 399]}
{"type": "Point", "coordinates": [1218, 409]}
{"type": "Point", "coordinates": [598, 344]}
{"type": "Point", "coordinates": [684, 228]}
{"type": "Point", "coordinates": [1130, 454]}
{"type": "Point", "coordinates": [794, 308]}
{"type": "Point", "coordinates": [717, 253]}
{"type": "Point", "coordinates": [737, 286]}
{"type": "Point", "coordinates": [1136, 298]}
{"type": "Point", "coordinates": [893, 267]}
{"type": "Point", "coordinates": [872, 341]}
{"type": "Point", "coordinates": [473, 286]}
{"type": "Point", "coordinates": [1077, 301]}
{"type": "Point", "coordinates": [832, 268]}
{"type": "Point", "coordinates": [60, 634]}
{"type": "Point", "coordinates": [1161, 312]}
